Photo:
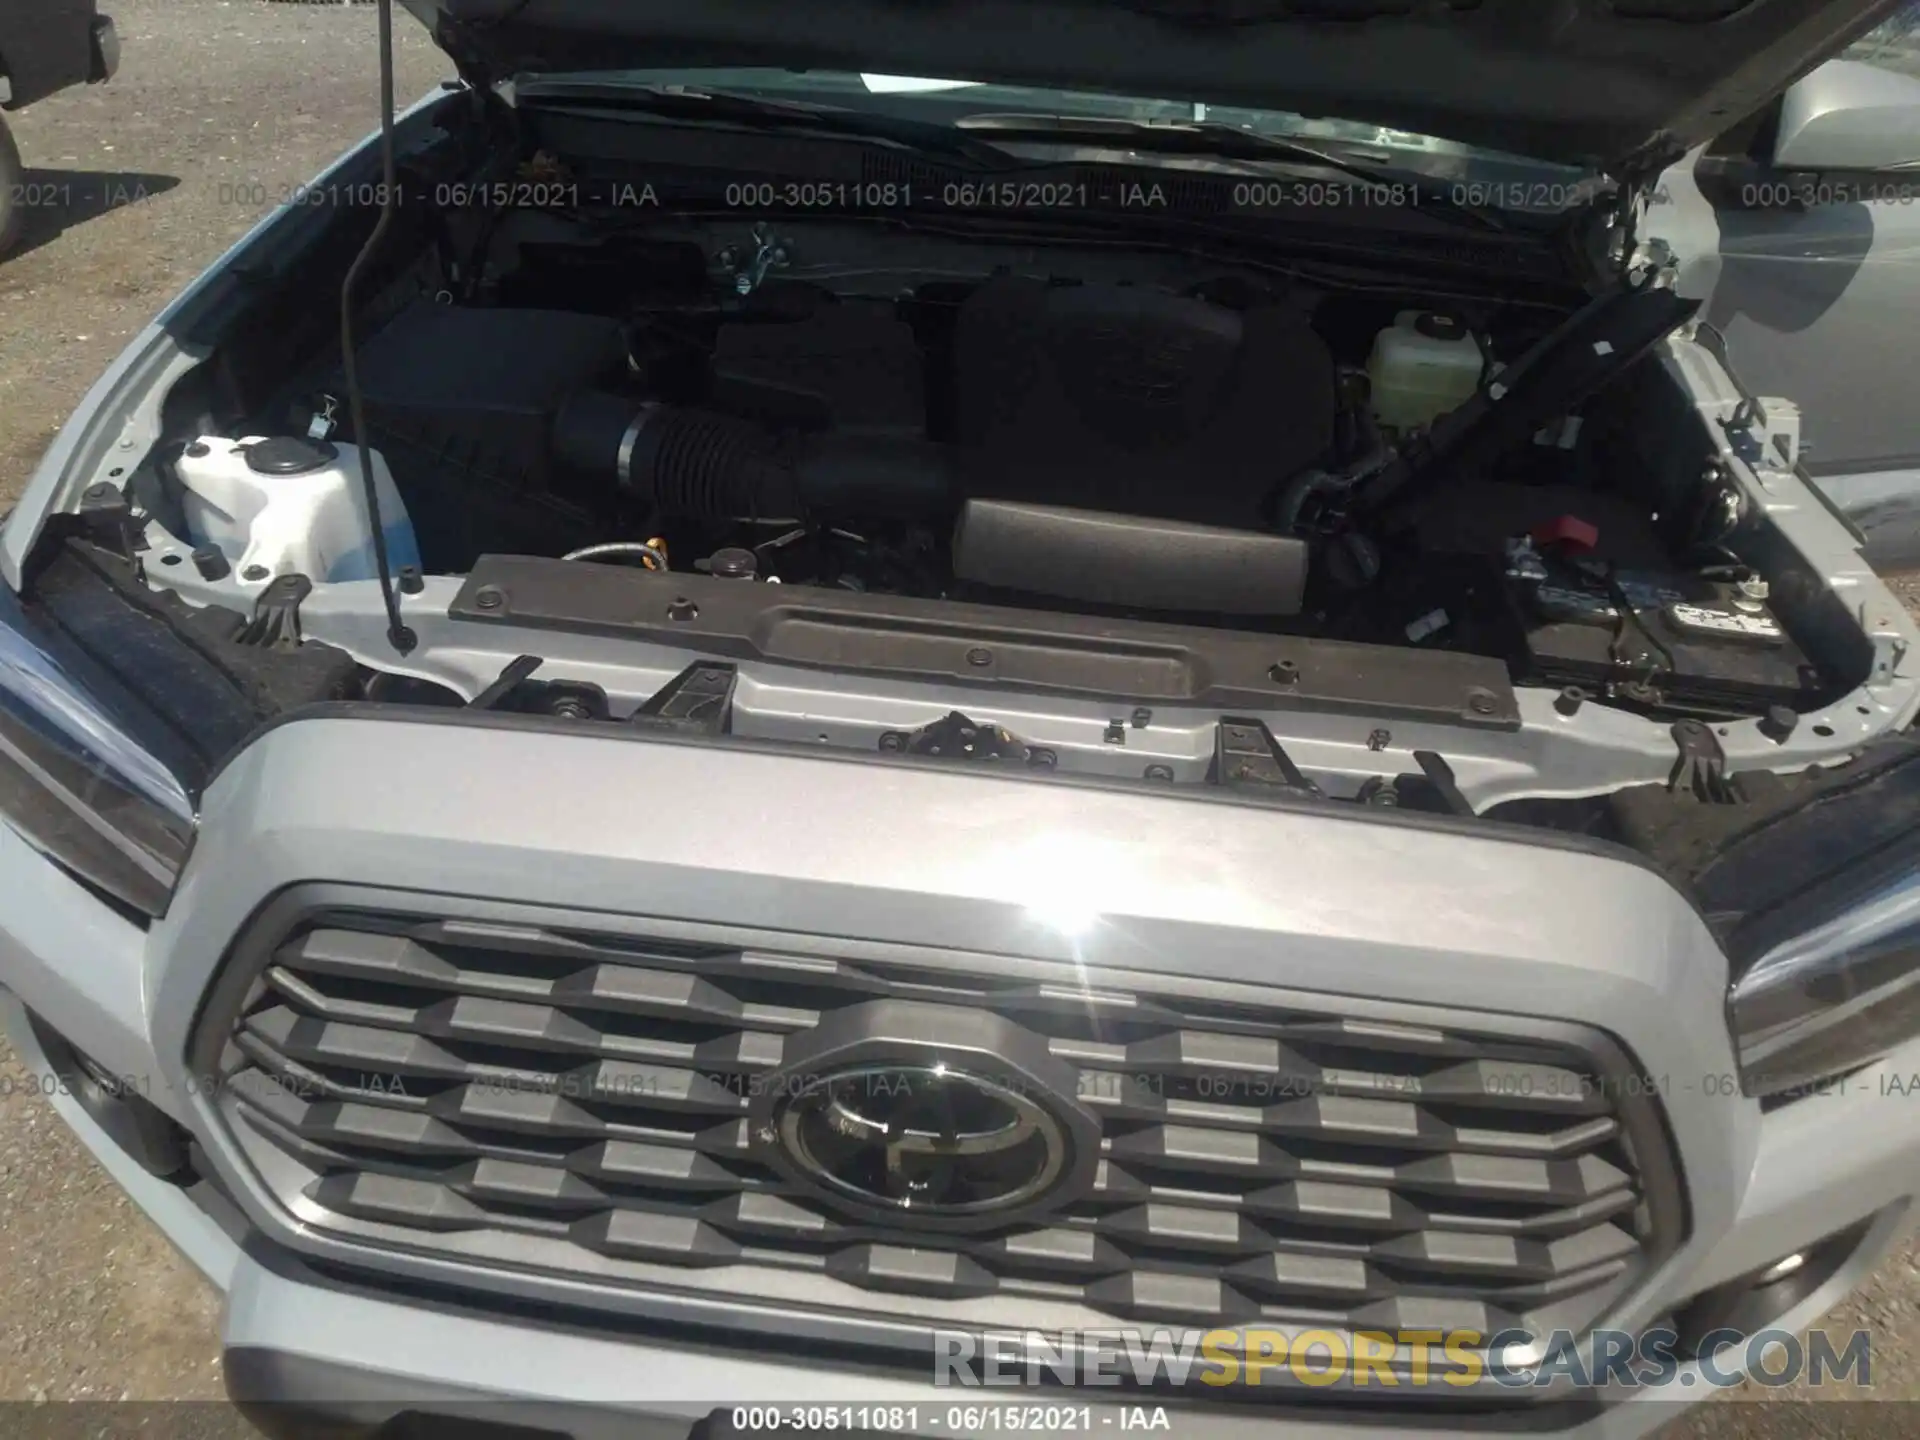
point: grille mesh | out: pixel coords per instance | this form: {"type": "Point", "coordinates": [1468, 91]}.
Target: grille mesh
{"type": "Point", "coordinates": [448, 1081]}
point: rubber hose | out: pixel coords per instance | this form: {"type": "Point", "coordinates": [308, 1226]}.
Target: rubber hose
{"type": "Point", "coordinates": [700, 463]}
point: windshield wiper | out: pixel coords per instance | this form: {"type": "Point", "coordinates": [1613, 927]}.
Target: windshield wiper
{"type": "Point", "coordinates": [677, 102]}
{"type": "Point", "coordinates": [1205, 137]}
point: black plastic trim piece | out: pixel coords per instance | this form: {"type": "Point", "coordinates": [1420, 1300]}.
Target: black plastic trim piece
{"type": "Point", "coordinates": [1133, 661]}
{"type": "Point", "coordinates": [697, 701]}
{"type": "Point", "coordinates": [1137, 561]}
{"type": "Point", "coordinates": [508, 680]}
{"type": "Point", "coordinates": [1439, 777]}
{"type": "Point", "coordinates": [190, 684]}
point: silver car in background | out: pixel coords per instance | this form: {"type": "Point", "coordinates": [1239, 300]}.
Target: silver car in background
{"type": "Point", "coordinates": [1800, 229]}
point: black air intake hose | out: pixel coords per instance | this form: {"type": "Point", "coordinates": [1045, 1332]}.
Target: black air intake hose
{"type": "Point", "coordinates": [686, 462]}
{"type": "Point", "coordinates": [700, 463]}
{"type": "Point", "coordinates": [876, 474]}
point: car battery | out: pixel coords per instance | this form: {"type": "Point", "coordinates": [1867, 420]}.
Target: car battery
{"type": "Point", "coordinates": [1683, 641]}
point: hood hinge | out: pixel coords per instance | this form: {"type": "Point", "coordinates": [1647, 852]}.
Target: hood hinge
{"type": "Point", "coordinates": [452, 37]}
{"type": "Point", "coordinates": [474, 75]}
{"type": "Point", "coordinates": [1637, 261]}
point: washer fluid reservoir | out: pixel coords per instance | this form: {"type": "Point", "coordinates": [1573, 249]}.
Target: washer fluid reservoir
{"type": "Point", "coordinates": [289, 505]}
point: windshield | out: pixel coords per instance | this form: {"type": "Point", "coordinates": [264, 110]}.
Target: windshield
{"type": "Point", "coordinates": [1481, 177]}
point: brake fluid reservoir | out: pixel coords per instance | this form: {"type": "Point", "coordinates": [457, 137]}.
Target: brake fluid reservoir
{"type": "Point", "coordinates": [1422, 366]}
{"type": "Point", "coordinates": [290, 505]}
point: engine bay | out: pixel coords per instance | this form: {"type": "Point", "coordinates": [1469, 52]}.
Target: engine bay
{"type": "Point", "coordinates": [1066, 497]}
{"type": "Point", "coordinates": [1156, 448]}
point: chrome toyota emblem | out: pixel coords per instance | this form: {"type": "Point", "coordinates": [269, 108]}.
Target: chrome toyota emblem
{"type": "Point", "coordinates": [911, 1115]}
{"type": "Point", "coordinates": [925, 1140]}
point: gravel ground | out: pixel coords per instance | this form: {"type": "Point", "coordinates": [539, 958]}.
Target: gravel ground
{"type": "Point", "coordinates": [219, 108]}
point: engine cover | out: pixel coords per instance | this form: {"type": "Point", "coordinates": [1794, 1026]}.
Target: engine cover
{"type": "Point", "coordinates": [1105, 397]}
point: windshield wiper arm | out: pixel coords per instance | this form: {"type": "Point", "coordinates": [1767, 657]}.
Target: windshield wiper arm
{"type": "Point", "coordinates": [730, 107]}
{"type": "Point", "coordinates": [1205, 137]}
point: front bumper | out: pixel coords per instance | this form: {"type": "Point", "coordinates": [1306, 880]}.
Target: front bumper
{"type": "Point", "coordinates": [908, 856]}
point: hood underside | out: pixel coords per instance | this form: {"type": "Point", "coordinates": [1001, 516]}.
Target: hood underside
{"type": "Point", "coordinates": [1615, 84]}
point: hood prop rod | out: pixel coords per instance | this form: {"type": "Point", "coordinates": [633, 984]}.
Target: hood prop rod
{"type": "Point", "coordinates": [398, 634]}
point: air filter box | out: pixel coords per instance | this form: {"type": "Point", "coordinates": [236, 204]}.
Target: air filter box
{"type": "Point", "coordinates": [461, 402]}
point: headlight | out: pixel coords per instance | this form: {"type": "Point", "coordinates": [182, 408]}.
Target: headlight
{"type": "Point", "coordinates": [1838, 995]}
{"type": "Point", "coordinates": [74, 782]}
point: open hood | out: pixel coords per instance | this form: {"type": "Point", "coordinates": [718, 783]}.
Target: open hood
{"type": "Point", "coordinates": [1621, 85]}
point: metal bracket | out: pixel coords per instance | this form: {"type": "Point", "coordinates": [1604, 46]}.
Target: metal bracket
{"type": "Point", "coordinates": [958, 737]}
{"type": "Point", "coordinates": [697, 701]}
{"type": "Point", "coordinates": [515, 671]}
{"type": "Point", "coordinates": [769, 253]}
{"type": "Point", "coordinates": [108, 517]}
{"type": "Point", "coordinates": [1701, 769]}
{"type": "Point", "coordinates": [1246, 754]}
{"type": "Point", "coordinates": [514, 691]}
{"type": "Point", "coordinates": [565, 699]}
{"type": "Point", "coordinates": [1780, 423]}
{"type": "Point", "coordinates": [1441, 782]}
{"type": "Point", "coordinates": [275, 624]}
{"type": "Point", "coordinates": [1764, 430]}
{"type": "Point", "coordinates": [325, 419]}
{"type": "Point", "coordinates": [1653, 260]}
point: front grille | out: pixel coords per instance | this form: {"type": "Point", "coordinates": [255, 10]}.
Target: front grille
{"type": "Point", "coordinates": [572, 1102]}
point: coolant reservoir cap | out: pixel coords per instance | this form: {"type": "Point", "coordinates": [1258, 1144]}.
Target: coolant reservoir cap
{"type": "Point", "coordinates": [289, 455]}
{"type": "Point", "coordinates": [1437, 325]}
